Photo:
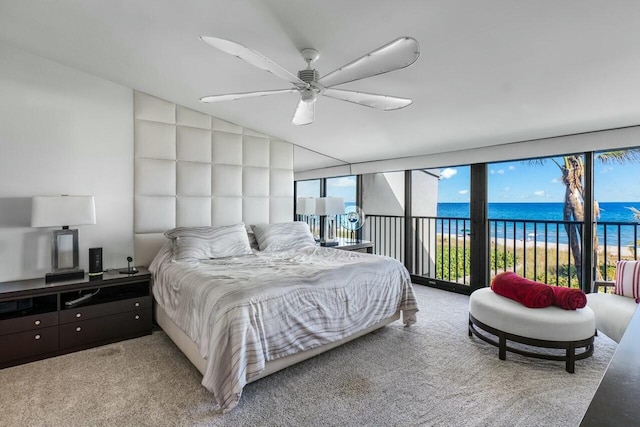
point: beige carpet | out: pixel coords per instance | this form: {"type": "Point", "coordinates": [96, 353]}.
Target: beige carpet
{"type": "Point", "coordinates": [429, 374]}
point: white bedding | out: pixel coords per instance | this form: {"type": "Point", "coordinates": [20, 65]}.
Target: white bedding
{"type": "Point", "coordinates": [244, 311]}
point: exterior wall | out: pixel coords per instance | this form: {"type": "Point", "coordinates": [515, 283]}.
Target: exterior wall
{"type": "Point", "coordinates": [383, 194]}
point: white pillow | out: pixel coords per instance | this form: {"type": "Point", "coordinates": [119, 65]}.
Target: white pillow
{"type": "Point", "coordinates": [209, 242]}
{"type": "Point", "coordinates": [283, 236]}
{"type": "Point", "coordinates": [627, 281]}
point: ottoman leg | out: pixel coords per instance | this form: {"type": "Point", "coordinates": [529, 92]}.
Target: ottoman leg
{"type": "Point", "coordinates": [469, 330]}
{"type": "Point", "coordinates": [571, 358]}
{"type": "Point", "coordinates": [502, 346]}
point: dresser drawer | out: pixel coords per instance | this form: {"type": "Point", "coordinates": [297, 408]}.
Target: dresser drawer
{"type": "Point", "coordinates": [106, 309]}
{"type": "Point", "coordinates": [85, 332]}
{"type": "Point", "coordinates": [26, 323]}
{"type": "Point", "coordinates": [27, 344]}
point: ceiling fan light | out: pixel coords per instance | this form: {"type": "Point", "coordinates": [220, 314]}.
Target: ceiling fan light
{"type": "Point", "coordinates": [308, 96]}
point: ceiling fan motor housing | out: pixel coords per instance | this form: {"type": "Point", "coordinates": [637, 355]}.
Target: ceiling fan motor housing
{"type": "Point", "coordinates": [308, 75]}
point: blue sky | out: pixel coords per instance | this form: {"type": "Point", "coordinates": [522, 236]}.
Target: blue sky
{"type": "Point", "coordinates": [520, 182]}
{"type": "Point", "coordinates": [344, 187]}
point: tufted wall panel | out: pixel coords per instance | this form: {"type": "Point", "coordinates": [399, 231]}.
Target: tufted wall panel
{"type": "Point", "coordinates": [192, 169]}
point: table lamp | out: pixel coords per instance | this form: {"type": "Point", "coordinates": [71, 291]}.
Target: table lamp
{"type": "Point", "coordinates": [63, 211]}
{"type": "Point", "coordinates": [329, 207]}
{"type": "Point", "coordinates": [306, 207]}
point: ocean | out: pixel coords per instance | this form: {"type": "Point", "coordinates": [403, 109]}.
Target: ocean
{"type": "Point", "coordinates": [610, 212]}
{"type": "Point", "coordinates": [615, 219]}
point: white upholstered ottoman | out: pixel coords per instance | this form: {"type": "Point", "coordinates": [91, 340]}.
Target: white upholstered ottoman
{"type": "Point", "coordinates": [549, 327]}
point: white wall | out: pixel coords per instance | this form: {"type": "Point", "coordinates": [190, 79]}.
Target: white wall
{"type": "Point", "coordinates": [62, 132]}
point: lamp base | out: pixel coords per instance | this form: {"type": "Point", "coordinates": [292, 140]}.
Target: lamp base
{"type": "Point", "coordinates": [64, 275]}
{"type": "Point", "coordinates": [328, 243]}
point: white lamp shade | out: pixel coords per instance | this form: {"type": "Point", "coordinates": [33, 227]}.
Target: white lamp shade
{"type": "Point", "coordinates": [59, 211]}
{"type": "Point", "coordinates": [306, 206]}
{"type": "Point", "coordinates": [330, 206]}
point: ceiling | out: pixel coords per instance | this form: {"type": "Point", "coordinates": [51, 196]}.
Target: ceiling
{"type": "Point", "coordinates": [490, 72]}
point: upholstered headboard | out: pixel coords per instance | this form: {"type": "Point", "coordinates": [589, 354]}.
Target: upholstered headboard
{"type": "Point", "coordinates": [192, 169]}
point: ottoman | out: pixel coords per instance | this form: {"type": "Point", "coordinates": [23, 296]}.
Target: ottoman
{"type": "Point", "coordinates": [549, 327]}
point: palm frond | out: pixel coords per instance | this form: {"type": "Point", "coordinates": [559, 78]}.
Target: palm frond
{"type": "Point", "coordinates": [619, 156]}
{"type": "Point", "coordinates": [635, 212]}
{"type": "Point", "coordinates": [541, 161]}
{"type": "Point", "coordinates": [535, 162]}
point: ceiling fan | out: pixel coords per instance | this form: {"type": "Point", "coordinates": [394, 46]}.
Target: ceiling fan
{"type": "Point", "coordinates": [395, 55]}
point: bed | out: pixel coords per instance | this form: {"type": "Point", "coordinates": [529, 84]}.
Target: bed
{"type": "Point", "coordinates": [244, 313]}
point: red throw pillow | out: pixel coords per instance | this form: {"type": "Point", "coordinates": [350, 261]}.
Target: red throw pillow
{"type": "Point", "coordinates": [527, 292]}
{"type": "Point", "coordinates": [568, 298]}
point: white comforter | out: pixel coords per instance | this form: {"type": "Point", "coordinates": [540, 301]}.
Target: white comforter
{"type": "Point", "coordinates": [247, 310]}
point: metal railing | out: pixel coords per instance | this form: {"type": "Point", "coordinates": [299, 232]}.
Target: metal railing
{"type": "Point", "coordinates": [540, 250]}
{"type": "Point", "coordinates": [315, 226]}
{"type": "Point", "coordinates": [624, 245]}
{"type": "Point", "coordinates": [387, 234]}
{"type": "Point", "coordinates": [441, 248]}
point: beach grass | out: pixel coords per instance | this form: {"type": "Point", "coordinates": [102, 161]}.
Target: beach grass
{"type": "Point", "coordinates": [549, 263]}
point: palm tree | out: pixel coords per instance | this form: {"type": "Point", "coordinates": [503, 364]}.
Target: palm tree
{"type": "Point", "coordinates": [572, 168]}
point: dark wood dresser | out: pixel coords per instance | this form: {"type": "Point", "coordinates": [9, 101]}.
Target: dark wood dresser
{"type": "Point", "coordinates": [37, 322]}
{"type": "Point", "coordinates": [615, 402]}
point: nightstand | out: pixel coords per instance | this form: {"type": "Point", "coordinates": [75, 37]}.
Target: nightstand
{"type": "Point", "coordinates": [355, 246]}
{"type": "Point", "coordinates": [36, 322]}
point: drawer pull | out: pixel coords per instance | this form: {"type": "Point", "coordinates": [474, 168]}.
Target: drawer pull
{"type": "Point", "coordinates": [137, 304]}
{"type": "Point", "coordinates": [37, 337]}
{"type": "Point", "coordinates": [78, 329]}
{"type": "Point", "coordinates": [78, 314]}
{"type": "Point", "coordinates": [37, 322]}
{"type": "Point", "coordinates": [137, 317]}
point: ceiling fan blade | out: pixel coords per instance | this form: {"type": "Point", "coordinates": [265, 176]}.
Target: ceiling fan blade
{"type": "Point", "coordinates": [234, 96]}
{"type": "Point", "coordinates": [380, 102]}
{"type": "Point", "coordinates": [304, 114]}
{"type": "Point", "coordinates": [398, 54]}
{"type": "Point", "coordinates": [252, 57]}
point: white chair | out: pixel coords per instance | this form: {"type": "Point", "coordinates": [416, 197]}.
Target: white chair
{"type": "Point", "coordinates": [613, 312]}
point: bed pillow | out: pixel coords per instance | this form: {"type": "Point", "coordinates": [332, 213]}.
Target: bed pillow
{"type": "Point", "coordinates": [209, 242]}
{"type": "Point", "coordinates": [283, 236]}
{"type": "Point", "coordinates": [165, 254]}
{"type": "Point", "coordinates": [627, 281]}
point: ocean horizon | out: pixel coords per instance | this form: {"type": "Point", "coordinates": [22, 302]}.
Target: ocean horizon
{"type": "Point", "coordinates": [616, 215]}
{"type": "Point", "coordinates": [615, 218]}
{"type": "Point", "coordinates": [539, 211]}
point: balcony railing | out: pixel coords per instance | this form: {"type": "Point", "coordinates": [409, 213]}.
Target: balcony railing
{"type": "Point", "coordinates": [540, 250]}
{"type": "Point", "coordinates": [315, 224]}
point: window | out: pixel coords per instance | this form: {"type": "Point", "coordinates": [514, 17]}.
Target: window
{"type": "Point", "coordinates": [616, 209]}
{"type": "Point", "coordinates": [440, 223]}
{"type": "Point", "coordinates": [345, 187]}
{"type": "Point", "coordinates": [535, 218]}
{"type": "Point", "coordinates": [309, 188]}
